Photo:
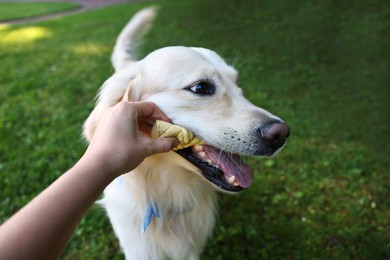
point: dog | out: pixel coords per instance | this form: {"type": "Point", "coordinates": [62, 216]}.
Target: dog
{"type": "Point", "coordinates": [166, 207]}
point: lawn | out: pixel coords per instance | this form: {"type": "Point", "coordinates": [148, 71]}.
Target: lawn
{"type": "Point", "coordinates": [9, 10]}
{"type": "Point", "coordinates": [320, 65]}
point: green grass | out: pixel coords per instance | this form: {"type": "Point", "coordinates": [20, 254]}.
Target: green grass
{"type": "Point", "coordinates": [322, 66]}
{"type": "Point", "coordinates": [9, 11]}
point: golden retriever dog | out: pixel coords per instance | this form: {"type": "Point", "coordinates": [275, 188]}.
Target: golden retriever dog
{"type": "Point", "coordinates": [166, 207]}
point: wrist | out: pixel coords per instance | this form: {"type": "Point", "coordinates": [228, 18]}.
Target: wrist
{"type": "Point", "coordinates": [99, 167]}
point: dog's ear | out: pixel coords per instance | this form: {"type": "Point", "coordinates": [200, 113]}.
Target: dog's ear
{"type": "Point", "coordinates": [126, 85]}
{"type": "Point", "coordinates": [119, 87]}
{"type": "Point", "coordinates": [92, 121]}
{"type": "Point", "coordinates": [133, 90]}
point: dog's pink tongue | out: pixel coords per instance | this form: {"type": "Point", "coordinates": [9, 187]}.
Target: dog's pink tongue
{"type": "Point", "coordinates": [231, 165]}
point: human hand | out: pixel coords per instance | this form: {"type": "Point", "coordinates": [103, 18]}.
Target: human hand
{"type": "Point", "coordinates": [120, 142]}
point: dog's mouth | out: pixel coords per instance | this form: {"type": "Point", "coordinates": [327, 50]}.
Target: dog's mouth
{"type": "Point", "coordinates": [227, 171]}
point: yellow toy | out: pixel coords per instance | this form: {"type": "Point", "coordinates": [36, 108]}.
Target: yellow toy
{"type": "Point", "coordinates": [186, 138]}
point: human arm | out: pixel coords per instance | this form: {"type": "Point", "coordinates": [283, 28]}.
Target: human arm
{"type": "Point", "coordinates": [41, 229]}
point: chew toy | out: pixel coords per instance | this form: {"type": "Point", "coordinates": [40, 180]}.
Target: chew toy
{"type": "Point", "coordinates": [162, 129]}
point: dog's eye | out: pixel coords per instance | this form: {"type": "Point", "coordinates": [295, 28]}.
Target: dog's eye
{"type": "Point", "coordinates": [202, 88]}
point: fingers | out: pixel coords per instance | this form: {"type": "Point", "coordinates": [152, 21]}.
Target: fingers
{"type": "Point", "coordinates": [147, 113]}
{"type": "Point", "coordinates": [145, 128]}
{"type": "Point", "coordinates": [162, 145]}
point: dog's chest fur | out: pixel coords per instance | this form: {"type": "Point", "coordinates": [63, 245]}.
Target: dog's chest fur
{"type": "Point", "coordinates": [186, 210]}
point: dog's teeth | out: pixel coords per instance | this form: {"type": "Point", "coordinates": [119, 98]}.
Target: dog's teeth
{"type": "Point", "coordinates": [198, 147]}
{"type": "Point", "coordinates": [235, 184]}
{"type": "Point", "coordinates": [232, 179]}
{"type": "Point", "coordinates": [202, 154]}
{"type": "Point", "coordinates": [209, 162]}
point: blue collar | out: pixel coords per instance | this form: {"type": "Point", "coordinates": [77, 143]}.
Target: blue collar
{"type": "Point", "coordinates": [151, 211]}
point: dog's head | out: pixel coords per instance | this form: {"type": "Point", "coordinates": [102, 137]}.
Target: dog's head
{"type": "Point", "coordinates": [196, 89]}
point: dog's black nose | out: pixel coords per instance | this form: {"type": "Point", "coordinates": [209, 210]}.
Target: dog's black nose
{"type": "Point", "coordinates": [275, 133]}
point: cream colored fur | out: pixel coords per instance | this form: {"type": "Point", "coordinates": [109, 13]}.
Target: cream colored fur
{"type": "Point", "coordinates": [186, 200]}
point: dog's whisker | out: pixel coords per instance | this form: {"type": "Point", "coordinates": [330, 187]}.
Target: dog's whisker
{"type": "Point", "coordinates": [225, 150]}
{"type": "Point", "coordinates": [236, 64]}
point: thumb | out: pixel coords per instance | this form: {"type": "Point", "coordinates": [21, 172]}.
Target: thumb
{"type": "Point", "coordinates": [163, 145]}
